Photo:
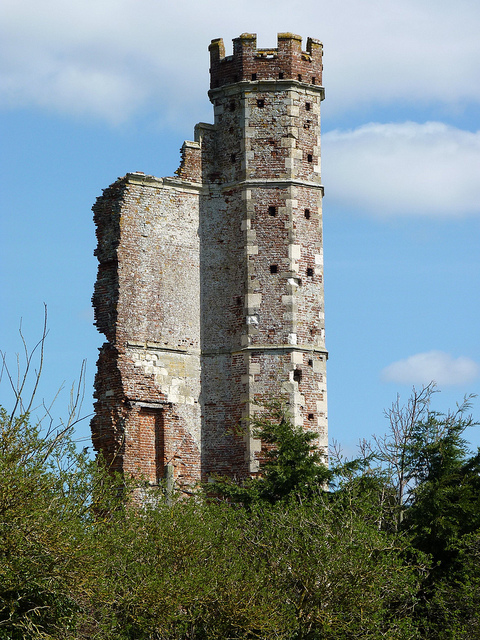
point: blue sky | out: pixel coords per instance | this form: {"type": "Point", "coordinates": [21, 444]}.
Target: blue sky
{"type": "Point", "coordinates": [90, 90]}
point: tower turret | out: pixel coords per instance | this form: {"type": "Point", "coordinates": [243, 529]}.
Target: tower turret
{"type": "Point", "coordinates": [263, 224]}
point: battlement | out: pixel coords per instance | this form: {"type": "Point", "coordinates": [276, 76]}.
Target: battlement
{"type": "Point", "coordinates": [286, 62]}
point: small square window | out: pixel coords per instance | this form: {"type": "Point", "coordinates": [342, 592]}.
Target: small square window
{"type": "Point", "coordinates": [311, 416]}
{"type": "Point", "coordinates": [272, 210]}
{"type": "Point", "coordinates": [274, 268]}
{"type": "Point", "coordinates": [260, 103]}
{"type": "Point", "coordinates": [297, 375]}
{"type": "Point", "coordinates": [310, 272]}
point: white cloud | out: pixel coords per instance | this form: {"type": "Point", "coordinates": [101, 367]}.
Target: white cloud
{"type": "Point", "coordinates": [438, 366]}
{"type": "Point", "coordinates": [403, 169]}
{"type": "Point", "coordinates": [110, 58]}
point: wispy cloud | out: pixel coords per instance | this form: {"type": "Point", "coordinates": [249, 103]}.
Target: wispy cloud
{"type": "Point", "coordinates": [438, 366]}
{"type": "Point", "coordinates": [404, 169]}
{"type": "Point", "coordinates": [113, 58]}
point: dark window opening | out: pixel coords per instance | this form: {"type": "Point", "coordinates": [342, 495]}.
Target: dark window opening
{"type": "Point", "coordinates": [307, 125]}
{"type": "Point", "coordinates": [299, 77]}
{"type": "Point", "coordinates": [272, 210]}
{"type": "Point", "coordinates": [232, 106]}
{"type": "Point", "coordinates": [310, 363]}
{"type": "Point", "coordinates": [233, 157]}
{"type": "Point", "coordinates": [280, 75]}
{"type": "Point", "coordinates": [313, 79]}
{"type": "Point", "coordinates": [260, 104]}
{"type": "Point", "coordinates": [309, 158]}
{"type": "Point", "coordinates": [311, 416]}
{"type": "Point", "coordinates": [239, 300]}
{"type": "Point", "coordinates": [274, 268]}
{"type": "Point", "coordinates": [310, 272]}
{"type": "Point", "coordinates": [254, 76]}
{"type": "Point", "coordinates": [235, 78]}
{"type": "Point", "coordinates": [297, 375]}
{"type": "Point", "coordinates": [307, 106]}
{"type": "Point", "coordinates": [307, 214]}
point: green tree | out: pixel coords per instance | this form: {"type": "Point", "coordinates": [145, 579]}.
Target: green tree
{"type": "Point", "coordinates": [49, 494]}
{"type": "Point", "coordinates": [289, 462]}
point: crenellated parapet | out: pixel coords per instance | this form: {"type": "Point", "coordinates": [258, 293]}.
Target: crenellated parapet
{"type": "Point", "coordinates": [249, 64]}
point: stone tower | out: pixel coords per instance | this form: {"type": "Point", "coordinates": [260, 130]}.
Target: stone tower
{"type": "Point", "coordinates": [210, 283]}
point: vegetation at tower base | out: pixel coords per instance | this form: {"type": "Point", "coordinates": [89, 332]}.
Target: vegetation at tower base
{"type": "Point", "coordinates": [290, 462]}
{"type": "Point", "coordinates": [300, 563]}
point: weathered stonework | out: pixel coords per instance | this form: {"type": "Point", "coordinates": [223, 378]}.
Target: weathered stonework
{"type": "Point", "coordinates": [210, 283]}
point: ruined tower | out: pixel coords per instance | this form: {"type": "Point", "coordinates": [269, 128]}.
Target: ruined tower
{"type": "Point", "coordinates": [210, 283]}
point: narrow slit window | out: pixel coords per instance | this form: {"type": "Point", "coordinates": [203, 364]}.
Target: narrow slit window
{"type": "Point", "coordinates": [309, 158]}
{"type": "Point", "coordinates": [310, 272]}
{"type": "Point", "coordinates": [260, 103]}
{"type": "Point", "coordinates": [307, 214]}
{"type": "Point", "coordinates": [274, 268]}
{"type": "Point", "coordinates": [254, 76]}
{"type": "Point", "coordinates": [280, 75]}
{"type": "Point", "coordinates": [272, 210]}
{"type": "Point", "coordinates": [233, 158]}
{"type": "Point", "coordinates": [231, 106]}
{"type": "Point", "coordinates": [310, 363]}
{"type": "Point", "coordinates": [297, 375]}
{"type": "Point", "coordinates": [313, 79]}
{"type": "Point", "coordinates": [299, 77]}
{"type": "Point", "coordinates": [307, 106]}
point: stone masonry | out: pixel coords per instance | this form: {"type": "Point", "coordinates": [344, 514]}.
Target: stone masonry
{"type": "Point", "coordinates": [210, 283]}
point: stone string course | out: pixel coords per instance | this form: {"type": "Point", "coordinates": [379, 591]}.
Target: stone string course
{"type": "Point", "coordinates": [210, 283]}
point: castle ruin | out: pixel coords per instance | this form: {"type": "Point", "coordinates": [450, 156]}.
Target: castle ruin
{"type": "Point", "coordinates": [210, 283]}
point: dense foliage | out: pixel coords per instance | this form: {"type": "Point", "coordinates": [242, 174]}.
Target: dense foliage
{"type": "Point", "coordinates": [384, 546]}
